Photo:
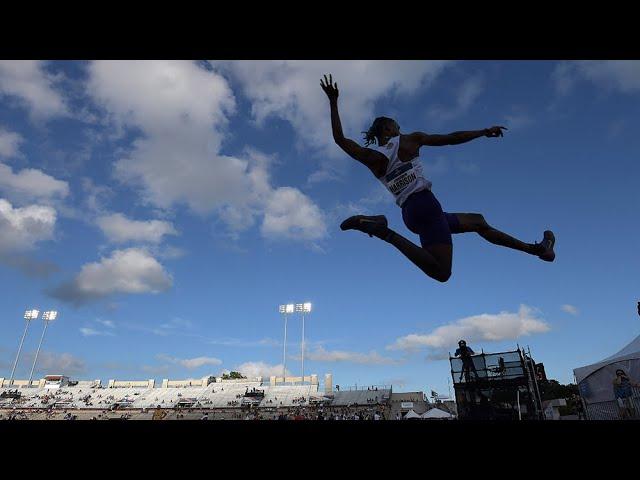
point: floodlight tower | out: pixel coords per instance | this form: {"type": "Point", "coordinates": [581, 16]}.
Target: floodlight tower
{"type": "Point", "coordinates": [28, 316]}
{"type": "Point", "coordinates": [285, 310]}
{"type": "Point", "coordinates": [49, 316]}
{"type": "Point", "coordinates": [303, 308]}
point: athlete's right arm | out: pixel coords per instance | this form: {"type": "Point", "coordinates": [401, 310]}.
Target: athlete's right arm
{"type": "Point", "coordinates": [366, 156]}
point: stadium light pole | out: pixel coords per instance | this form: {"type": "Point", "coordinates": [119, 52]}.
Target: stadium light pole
{"type": "Point", "coordinates": [49, 316]}
{"type": "Point", "coordinates": [303, 308]}
{"type": "Point", "coordinates": [28, 316]}
{"type": "Point", "coordinates": [285, 310]}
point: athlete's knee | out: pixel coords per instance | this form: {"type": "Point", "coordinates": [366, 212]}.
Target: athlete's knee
{"type": "Point", "coordinates": [442, 275]}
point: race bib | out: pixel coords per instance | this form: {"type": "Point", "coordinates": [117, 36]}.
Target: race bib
{"type": "Point", "coordinates": [400, 178]}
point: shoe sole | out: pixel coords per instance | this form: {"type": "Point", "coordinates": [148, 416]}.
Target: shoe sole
{"type": "Point", "coordinates": [356, 219]}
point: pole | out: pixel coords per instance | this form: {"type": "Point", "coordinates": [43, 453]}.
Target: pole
{"type": "Point", "coordinates": [303, 348]}
{"type": "Point", "coordinates": [284, 362]}
{"type": "Point", "coordinates": [518, 399]}
{"type": "Point", "coordinates": [46, 324]}
{"type": "Point", "coordinates": [19, 349]}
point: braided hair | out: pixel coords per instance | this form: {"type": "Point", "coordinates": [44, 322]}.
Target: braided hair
{"type": "Point", "coordinates": [375, 130]}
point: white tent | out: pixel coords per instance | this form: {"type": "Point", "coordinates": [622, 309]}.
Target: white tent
{"type": "Point", "coordinates": [436, 413]}
{"type": "Point", "coordinates": [411, 414]}
{"type": "Point", "coordinates": [596, 380]}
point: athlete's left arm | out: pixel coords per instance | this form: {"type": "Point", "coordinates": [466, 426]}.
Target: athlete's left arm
{"type": "Point", "coordinates": [455, 138]}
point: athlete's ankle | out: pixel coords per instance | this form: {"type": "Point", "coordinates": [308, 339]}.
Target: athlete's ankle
{"type": "Point", "coordinates": [535, 248]}
{"type": "Point", "coordinates": [388, 236]}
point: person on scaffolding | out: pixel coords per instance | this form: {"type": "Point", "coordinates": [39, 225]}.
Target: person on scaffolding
{"type": "Point", "coordinates": [465, 353]}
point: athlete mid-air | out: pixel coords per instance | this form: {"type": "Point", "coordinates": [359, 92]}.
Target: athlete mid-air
{"type": "Point", "coordinates": [393, 158]}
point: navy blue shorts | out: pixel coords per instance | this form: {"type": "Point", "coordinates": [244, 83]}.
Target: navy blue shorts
{"type": "Point", "coordinates": [423, 215]}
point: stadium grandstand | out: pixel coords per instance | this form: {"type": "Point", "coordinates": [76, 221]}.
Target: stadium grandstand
{"type": "Point", "coordinates": [210, 397]}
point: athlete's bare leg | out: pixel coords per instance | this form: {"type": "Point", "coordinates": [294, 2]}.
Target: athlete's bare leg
{"type": "Point", "coordinates": [435, 260]}
{"type": "Point", "coordinates": [475, 222]}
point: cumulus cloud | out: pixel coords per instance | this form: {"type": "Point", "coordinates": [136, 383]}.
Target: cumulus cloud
{"type": "Point", "coordinates": [371, 358]}
{"type": "Point", "coordinates": [29, 82]}
{"type": "Point", "coordinates": [485, 327]}
{"type": "Point", "coordinates": [290, 90]}
{"type": "Point", "coordinates": [190, 363]}
{"type": "Point", "coordinates": [9, 143]}
{"type": "Point", "coordinates": [22, 228]}
{"type": "Point", "coordinates": [132, 270]}
{"type": "Point", "coordinates": [260, 369]}
{"type": "Point", "coordinates": [181, 110]}
{"type": "Point", "coordinates": [290, 214]}
{"type": "Point", "coordinates": [31, 184]}
{"type": "Point", "coordinates": [615, 75]}
{"type": "Point", "coordinates": [570, 309]}
{"type": "Point", "coordinates": [120, 229]}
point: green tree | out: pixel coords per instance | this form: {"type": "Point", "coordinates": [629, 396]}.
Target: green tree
{"type": "Point", "coordinates": [232, 376]}
{"type": "Point", "coordinates": [553, 389]}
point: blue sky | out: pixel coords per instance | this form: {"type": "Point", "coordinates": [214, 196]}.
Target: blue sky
{"type": "Point", "coordinates": [166, 209]}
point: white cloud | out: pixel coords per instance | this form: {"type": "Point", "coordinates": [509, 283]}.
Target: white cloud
{"type": "Point", "coordinates": [467, 93]}
{"type": "Point", "coordinates": [126, 271]}
{"type": "Point", "coordinates": [478, 328]}
{"type": "Point", "coordinates": [31, 184]}
{"type": "Point", "coordinates": [290, 214]}
{"type": "Point", "coordinates": [22, 228]}
{"type": "Point", "coordinates": [290, 90]}
{"type": "Point", "coordinates": [90, 332]}
{"type": "Point", "coordinates": [182, 111]}
{"type": "Point", "coordinates": [191, 363]}
{"type": "Point", "coordinates": [620, 75]}
{"type": "Point", "coordinates": [371, 358]}
{"type": "Point", "coordinates": [96, 196]}
{"type": "Point", "coordinates": [33, 86]}
{"type": "Point", "coordinates": [106, 323]}
{"type": "Point", "coordinates": [570, 309]}
{"type": "Point", "coordinates": [260, 369]}
{"type": "Point", "coordinates": [9, 143]}
{"type": "Point", "coordinates": [120, 229]}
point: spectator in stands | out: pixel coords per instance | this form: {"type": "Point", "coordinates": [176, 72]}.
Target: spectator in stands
{"type": "Point", "coordinates": [465, 353]}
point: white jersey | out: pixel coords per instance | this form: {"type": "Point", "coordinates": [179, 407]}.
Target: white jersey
{"type": "Point", "coordinates": [401, 178]}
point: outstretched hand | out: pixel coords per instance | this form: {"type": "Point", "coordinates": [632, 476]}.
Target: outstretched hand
{"type": "Point", "coordinates": [330, 88]}
{"type": "Point", "coordinates": [494, 131]}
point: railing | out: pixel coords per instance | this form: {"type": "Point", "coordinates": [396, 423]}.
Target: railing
{"type": "Point", "coordinates": [610, 410]}
{"type": "Point", "coordinates": [352, 388]}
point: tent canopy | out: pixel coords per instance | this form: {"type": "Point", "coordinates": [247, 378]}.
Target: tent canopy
{"type": "Point", "coordinates": [436, 413]}
{"type": "Point", "coordinates": [411, 414]}
{"type": "Point", "coordinates": [631, 351]}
